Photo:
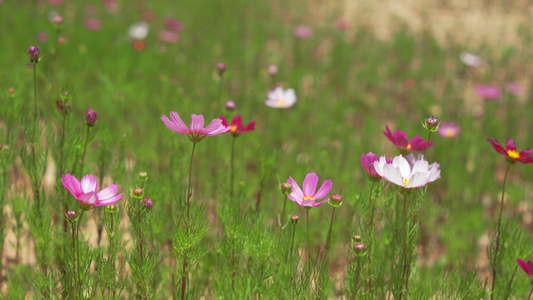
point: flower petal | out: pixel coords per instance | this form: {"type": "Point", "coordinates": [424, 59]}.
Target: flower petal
{"type": "Point", "coordinates": [310, 183]}
{"type": "Point", "coordinates": [197, 123]}
{"type": "Point", "coordinates": [90, 198]}
{"type": "Point", "coordinates": [175, 118]}
{"type": "Point", "coordinates": [88, 184]}
{"type": "Point", "coordinates": [392, 174]}
{"type": "Point", "coordinates": [72, 184]}
{"type": "Point", "coordinates": [497, 146]}
{"type": "Point", "coordinates": [109, 201]}
{"type": "Point", "coordinates": [510, 145]}
{"type": "Point", "coordinates": [296, 190]}
{"type": "Point", "coordinates": [108, 192]}
{"type": "Point", "coordinates": [324, 189]}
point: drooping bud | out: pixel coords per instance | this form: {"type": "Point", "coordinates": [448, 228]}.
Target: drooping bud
{"type": "Point", "coordinates": [138, 192]}
{"type": "Point", "coordinates": [34, 54]}
{"type": "Point", "coordinates": [147, 203]}
{"type": "Point", "coordinates": [143, 176]}
{"type": "Point", "coordinates": [295, 219]}
{"type": "Point", "coordinates": [221, 67]}
{"type": "Point", "coordinates": [432, 124]}
{"type": "Point", "coordinates": [335, 200]}
{"type": "Point", "coordinates": [286, 188]}
{"type": "Point", "coordinates": [90, 117]}
{"type": "Point", "coordinates": [230, 106]}
{"type": "Point", "coordinates": [70, 216]}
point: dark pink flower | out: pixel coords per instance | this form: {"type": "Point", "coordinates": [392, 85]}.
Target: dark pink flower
{"type": "Point", "coordinates": [309, 196]}
{"type": "Point", "coordinates": [237, 126]}
{"type": "Point", "coordinates": [85, 191]}
{"type": "Point", "coordinates": [173, 24]}
{"type": "Point", "coordinates": [510, 151]}
{"type": "Point", "coordinates": [488, 92]}
{"type": "Point", "coordinates": [399, 139]}
{"type": "Point", "coordinates": [527, 267]}
{"type": "Point", "coordinates": [367, 160]}
{"type": "Point", "coordinates": [196, 132]}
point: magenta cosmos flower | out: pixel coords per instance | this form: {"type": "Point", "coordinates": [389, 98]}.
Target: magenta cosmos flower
{"type": "Point", "coordinates": [488, 92]}
{"type": "Point", "coordinates": [367, 160]}
{"type": "Point", "coordinates": [449, 130]}
{"type": "Point", "coordinates": [196, 132]}
{"type": "Point", "coordinates": [408, 172]}
{"type": "Point", "coordinates": [85, 191]}
{"type": "Point", "coordinates": [309, 196]}
{"type": "Point", "coordinates": [510, 151]}
{"type": "Point", "coordinates": [526, 266]}
{"type": "Point", "coordinates": [399, 139]}
{"type": "Point", "coordinates": [237, 126]}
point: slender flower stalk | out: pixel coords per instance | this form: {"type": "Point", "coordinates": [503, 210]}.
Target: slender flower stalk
{"type": "Point", "coordinates": [431, 124]}
{"type": "Point", "coordinates": [221, 68]}
{"type": "Point", "coordinates": [286, 189]}
{"type": "Point", "coordinates": [405, 266]}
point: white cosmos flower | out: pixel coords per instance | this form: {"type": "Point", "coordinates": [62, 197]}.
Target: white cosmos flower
{"type": "Point", "coordinates": [139, 31]}
{"type": "Point", "coordinates": [470, 59]}
{"type": "Point", "coordinates": [279, 98]}
{"type": "Point", "coordinates": [408, 172]}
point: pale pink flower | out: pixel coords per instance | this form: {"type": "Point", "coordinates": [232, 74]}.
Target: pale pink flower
{"type": "Point", "coordinates": [449, 129]}
{"type": "Point", "coordinates": [85, 191]}
{"type": "Point", "coordinates": [196, 132]}
{"type": "Point", "coordinates": [280, 98]}
{"type": "Point", "coordinates": [169, 36]}
{"type": "Point", "coordinates": [408, 172]}
{"type": "Point", "coordinates": [309, 196]}
{"type": "Point", "coordinates": [92, 24]}
{"type": "Point", "coordinates": [488, 92]}
{"type": "Point", "coordinates": [514, 88]}
{"type": "Point", "coordinates": [302, 32]}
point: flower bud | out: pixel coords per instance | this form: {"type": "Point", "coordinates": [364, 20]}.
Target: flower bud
{"type": "Point", "coordinates": [431, 124]}
{"type": "Point", "coordinates": [295, 219]}
{"type": "Point", "coordinates": [111, 208]}
{"type": "Point", "coordinates": [272, 70]}
{"type": "Point", "coordinates": [356, 239]}
{"type": "Point", "coordinates": [138, 192]}
{"type": "Point", "coordinates": [286, 188]}
{"type": "Point", "coordinates": [34, 54]}
{"type": "Point", "coordinates": [221, 67]}
{"type": "Point", "coordinates": [147, 203]}
{"type": "Point", "coordinates": [143, 176]}
{"type": "Point", "coordinates": [11, 91]}
{"type": "Point", "coordinates": [230, 106]}
{"type": "Point", "coordinates": [335, 200]}
{"type": "Point", "coordinates": [60, 40]}
{"type": "Point", "coordinates": [90, 117]}
{"type": "Point", "coordinates": [359, 248]}
{"type": "Point", "coordinates": [58, 19]}
{"type": "Point", "coordinates": [70, 216]}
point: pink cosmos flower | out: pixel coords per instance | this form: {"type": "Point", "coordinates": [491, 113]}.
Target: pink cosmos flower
{"type": "Point", "coordinates": [399, 139]}
{"type": "Point", "coordinates": [527, 267]}
{"type": "Point", "coordinates": [196, 132]}
{"type": "Point", "coordinates": [408, 172]}
{"type": "Point", "coordinates": [488, 92]}
{"type": "Point", "coordinates": [85, 191]}
{"type": "Point", "coordinates": [510, 151]}
{"type": "Point", "coordinates": [237, 126]}
{"type": "Point", "coordinates": [514, 88]}
{"type": "Point", "coordinates": [92, 24]}
{"type": "Point", "coordinates": [169, 36]}
{"type": "Point", "coordinates": [449, 130]}
{"type": "Point", "coordinates": [302, 32]}
{"type": "Point", "coordinates": [173, 24]}
{"type": "Point", "coordinates": [309, 196]}
{"type": "Point", "coordinates": [367, 160]}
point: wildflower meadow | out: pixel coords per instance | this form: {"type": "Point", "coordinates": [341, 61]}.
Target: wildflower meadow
{"type": "Point", "coordinates": [265, 150]}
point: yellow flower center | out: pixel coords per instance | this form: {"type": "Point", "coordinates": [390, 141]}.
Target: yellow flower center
{"type": "Point", "coordinates": [408, 147]}
{"type": "Point", "coordinates": [309, 198]}
{"type": "Point", "coordinates": [233, 128]}
{"type": "Point", "coordinates": [449, 133]}
{"type": "Point", "coordinates": [513, 154]}
{"type": "Point", "coordinates": [282, 103]}
{"type": "Point", "coordinates": [405, 181]}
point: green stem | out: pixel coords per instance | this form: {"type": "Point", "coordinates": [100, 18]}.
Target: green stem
{"type": "Point", "coordinates": [110, 258]}
{"type": "Point", "coordinates": [498, 233]}
{"type": "Point", "coordinates": [404, 256]}
{"type": "Point", "coordinates": [189, 187]}
{"type": "Point", "coordinates": [220, 88]}
{"type": "Point", "coordinates": [231, 170]}
{"type": "Point", "coordinates": [283, 215]}
{"type": "Point", "coordinates": [143, 285]}
{"type": "Point", "coordinates": [357, 277]}
{"type": "Point", "coordinates": [308, 244]}
{"type": "Point", "coordinates": [74, 258]}
{"type": "Point", "coordinates": [425, 151]}
{"type": "Point", "coordinates": [82, 162]}
{"type": "Point", "coordinates": [34, 100]}
{"type": "Point", "coordinates": [530, 292]}
{"type": "Point", "coordinates": [371, 206]}
{"type": "Point", "coordinates": [78, 253]}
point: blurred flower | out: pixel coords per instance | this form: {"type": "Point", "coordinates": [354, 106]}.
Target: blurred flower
{"type": "Point", "coordinates": [272, 70]}
{"type": "Point", "coordinates": [514, 88]}
{"type": "Point", "coordinates": [61, 40]}
{"type": "Point", "coordinates": [90, 117]}
{"type": "Point", "coordinates": [367, 160]}
{"type": "Point", "coordinates": [34, 54]}
{"type": "Point", "coordinates": [139, 30]}
{"type": "Point", "coordinates": [511, 153]}
{"type": "Point", "coordinates": [71, 215]}
{"type": "Point", "coordinates": [342, 24]}
{"type": "Point", "coordinates": [488, 92]}
{"type": "Point", "coordinates": [449, 130]}
{"type": "Point", "coordinates": [92, 24]}
{"type": "Point", "coordinates": [138, 45]}
{"type": "Point", "coordinates": [149, 15]}
{"type": "Point", "coordinates": [111, 6]}
{"type": "Point", "coordinates": [309, 196]}
{"type": "Point", "coordinates": [237, 126]}
{"type": "Point", "coordinates": [399, 139]}
{"type": "Point", "coordinates": [527, 267]}
{"type": "Point", "coordinates": [196, 132]}
{"type": "Point", "coordinates": [85, 191]}
{"type": "Point", "coordinates": [169, 36]}
{"type": "Point", "coordinates": [221, 68]}
{"type": "Point", "coordinates": [42, 36]}
{"type": "Point", "coordinates": [58, 19]}
{"type": "Point", "coordinates": [147, 203]}
{"type": "Point", "coordinates": [173, 24]}
{"type": "Point", "coordinates": [470, 59]}
{"type": "Point", "coordinates": [230, 106]}
{"type": "Point", "coordinates": [408, 172]}
{"type": "Point", "coordinates": [409, 83]}
{"type": "Point", "coordinates": [55, 2]}
{"type": "Point", "coordinates": [302, 32]}
{"type": "Point", "coordinates": [279, 98]}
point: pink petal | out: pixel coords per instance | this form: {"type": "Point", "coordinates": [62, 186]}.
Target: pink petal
{"type": "Point", "coordinates": [175, 117]}
{"type": "Point", "coordinates": [310, 183]}
{"type": "Point", "coordinates": [497, 146]}
{"type": "Point", "coordinates": [249, 127]}
{"type": "Point", "coordinates": [400, 139]}
{"type": "Point", "coordinates": [296, 190]}
{"type": "Point", "coordinates": [510, 145]}
{"type": "Point", "coordinates": [237, 121]}
{"type": "Point", "coordinates": [224, 121]}
{"type": "Point", "coordinates": [197, 123]}
{"type": "Point", "coordinates": [523, 265]}
{"type": "Point", "coordinates": [72, 184]}
{"type": "Point", "coordinates": [110, 201]}
{"type": "Point", "coordinates": [171, 125]}
{"type": "Point", "coordinates": [525, 153]}
{"type": "Point", "coordinates": [324, 189]}
{"type": "Point", "coordinates": [108, 192]}
{"type": "Point", "coordinates": [213, 127]}
{"type": "Point", "coordinates": [530, 267]}
{"type": "Point", "coordinates": [90, 198]}
{"type": "Point", "coordinates": [88, 184]}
